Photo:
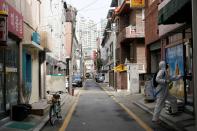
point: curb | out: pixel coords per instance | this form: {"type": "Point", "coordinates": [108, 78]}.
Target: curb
{"type": "Point", "coordinates": [143, 107]}
{"type": "Point", "coordinates": [45, 120]}
{"type": "Point", "coordinates": [163, 119]}
{"type": "Point", "coordinates": [42, 124]}
{"type": "Point", "coordinates": [128, 111]}
{"type": "Point", "coordinates": [4, 120]}
{"type": "Point", "coordinates": [69, 114]}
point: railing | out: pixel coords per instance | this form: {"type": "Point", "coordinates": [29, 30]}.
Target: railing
{"type": "Point", "coordinates": [131, 32]}
{"type": "Point", "coordinates": [134, 32]}
{"type": "Point", "coordinates": [141, 68]}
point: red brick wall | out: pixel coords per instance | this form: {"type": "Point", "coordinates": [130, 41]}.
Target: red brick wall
{"type": "Point", "coordinates": [123, 80]}
{"type": "Point", "coordinates": [151, 20]}
{"type": "Point", "coordinates": [118, 80]}
{"type": "Point", "coordinates": [140, 51]}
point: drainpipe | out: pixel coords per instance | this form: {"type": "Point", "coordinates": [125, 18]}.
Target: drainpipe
{"type": "Point", "coordinates": [194, 21]}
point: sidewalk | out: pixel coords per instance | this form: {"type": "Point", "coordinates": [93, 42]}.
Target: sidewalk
{"type": "Point", "coordinates": [35, 122]}
{"type": "Point", "coordinates": [180, 122]}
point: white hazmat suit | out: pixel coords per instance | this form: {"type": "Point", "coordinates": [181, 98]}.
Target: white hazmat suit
{"type": "Point", "coordinates": [163, 93]}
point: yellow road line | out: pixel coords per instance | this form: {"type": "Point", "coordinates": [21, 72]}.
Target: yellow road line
{"type": "Point", "coordinates": [131, 114]}
{"type": "Point", "coordinates": [69, 115]}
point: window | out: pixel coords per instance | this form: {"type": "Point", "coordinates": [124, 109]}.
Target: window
{"type": "Point", "coordinates": [111, 51]}
{"type": "Point", "coordinates": [143, 14]}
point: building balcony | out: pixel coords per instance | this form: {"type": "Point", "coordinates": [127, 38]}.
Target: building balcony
{"type": "Point", "coordinates": [131, 32]}
{"type": "Point", "coordinates": [123, 8]}
{"type": "Point", "coordinates": [174, 11]}
{"type": "Point", "coordinates": [46, 41]}
{"type": "Point", "coordinates": [140, 67]}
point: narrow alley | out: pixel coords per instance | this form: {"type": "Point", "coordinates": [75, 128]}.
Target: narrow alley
{"type": "Point", "coordinates": [97, 111]}
{"type": "Point", "coordinates": [98, 65]}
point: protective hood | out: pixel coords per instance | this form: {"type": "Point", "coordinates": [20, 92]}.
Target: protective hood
{"type": "Point", "coordinates": [162, 65]}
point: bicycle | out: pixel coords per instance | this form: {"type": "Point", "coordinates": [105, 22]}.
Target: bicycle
{"type": "Point", "coordinates": [55, 108]}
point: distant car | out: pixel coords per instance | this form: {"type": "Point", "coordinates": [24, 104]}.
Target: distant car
{"type": "Point", "coordinates": [77, 81]}
{"type": "Point", "coordinates": [97, 77]}
{"type": "Point", "coordinates": [87, 75]}
{"type": "Point", "coordinates": [67, 83]}
{"type": "Point", "coordinates": [100, 77]}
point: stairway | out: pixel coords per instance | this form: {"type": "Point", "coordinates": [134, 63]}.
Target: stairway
{"type": "Point", "coordinates": [40, 108]}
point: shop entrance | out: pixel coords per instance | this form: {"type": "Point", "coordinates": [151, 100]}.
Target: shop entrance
{"type": "Point", "coordinates": [2, 109]}
{"type": "Point", "coordinates": [179, 58]}
{"type": "Point", "coordinates": [8, 76]}
{"type": "Point", "coordinates": [188, 81]}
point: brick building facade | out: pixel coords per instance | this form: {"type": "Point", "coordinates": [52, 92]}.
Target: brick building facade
{"type": "Point", "coordinates": [130, 45]}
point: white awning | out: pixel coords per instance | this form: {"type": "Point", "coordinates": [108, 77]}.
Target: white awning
{"type": "Point", "coordinates": [31, 44]}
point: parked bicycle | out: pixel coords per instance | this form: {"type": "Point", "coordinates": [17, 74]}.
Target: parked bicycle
{"type": "Point", "coordinates": [55, 108]}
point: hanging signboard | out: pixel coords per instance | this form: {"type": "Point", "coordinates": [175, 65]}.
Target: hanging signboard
{"type": "Point", "coordinates": [120, 68]}
{"type": "Point", "coordinates": [137, 3]}
{"type": "Point", "coordinates": [36, 37]}
{"type": "Point", "coordinates": [175, 60]}
{"type": "Point", "coordinates": [15, 22]}
{"type": "Point", "coordinates": [3, 7]}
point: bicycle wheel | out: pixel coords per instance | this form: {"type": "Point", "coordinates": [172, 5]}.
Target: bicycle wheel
{"type": "Point", "coordinates": [52, 115]}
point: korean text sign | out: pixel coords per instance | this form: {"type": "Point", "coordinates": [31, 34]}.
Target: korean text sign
{"type": "Point", "coordinates": [15, 22]}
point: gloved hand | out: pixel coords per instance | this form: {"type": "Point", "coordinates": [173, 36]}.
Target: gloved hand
{"type": "Point", "coordinates": [170, 85]}
{"type": "Point", "coordinates": [179, 77]}
{"type": "Point", "coordinates": [168, 81]}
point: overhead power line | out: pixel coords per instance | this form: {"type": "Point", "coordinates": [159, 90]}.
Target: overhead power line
{"type": "Point", "coordinates": [96, 9]}
{"type": "Point", "coordinates": [88, 5]}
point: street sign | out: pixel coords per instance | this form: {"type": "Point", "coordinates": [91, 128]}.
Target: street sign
{"type": "Point", "coordinates": [120, 68]}
{"type": "Point", "coordinates": [3, 8]}
{"type": "Point", "coordinates": [137, 3]}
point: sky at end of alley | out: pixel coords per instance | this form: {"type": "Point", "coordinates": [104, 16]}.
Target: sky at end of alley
{"type": "Point", "coordinates": [92, 9]}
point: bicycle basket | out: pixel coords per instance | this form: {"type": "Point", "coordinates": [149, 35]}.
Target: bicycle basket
{"type": "Point", "coordinates": [56, 96]}
{"type": "Point", "coordinates": [49, 102]}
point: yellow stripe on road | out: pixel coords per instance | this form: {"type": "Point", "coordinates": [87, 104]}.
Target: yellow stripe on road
{"type": "Point", "coordinates": [69, 115]}
{"type": "Point", "coordinates": [131, 114]}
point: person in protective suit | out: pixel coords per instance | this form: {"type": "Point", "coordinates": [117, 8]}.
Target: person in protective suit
{"type": "Point", "coordinates": [162, 79]}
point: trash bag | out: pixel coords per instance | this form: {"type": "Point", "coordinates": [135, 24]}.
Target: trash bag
{"type": "Point", "coordinates": [20, 112]}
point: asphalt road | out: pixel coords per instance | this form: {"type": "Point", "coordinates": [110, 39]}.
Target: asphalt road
{"type": "Point", "coordinates": [96, 111]}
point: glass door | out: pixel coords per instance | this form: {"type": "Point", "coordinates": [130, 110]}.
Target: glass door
{"type": "Point", "coordinates": [1, 81]}
{"type": "Point", "coordinates": [189, 83]}
{"type": "Point", "coordinates": [11, 77]}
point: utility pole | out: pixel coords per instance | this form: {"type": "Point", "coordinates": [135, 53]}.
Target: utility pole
{"type": "Point", "coordinates": [81, 60]}
{"type": "Point", "coordinates": [114, 52]}
{"type": "Point", "coordinates": [194, 29]}
{"type": "Point", "coordinates": [81, 54]}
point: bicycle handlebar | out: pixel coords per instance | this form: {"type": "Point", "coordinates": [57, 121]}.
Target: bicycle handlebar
{"type": "Point", "coordinates": [55, 92]}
